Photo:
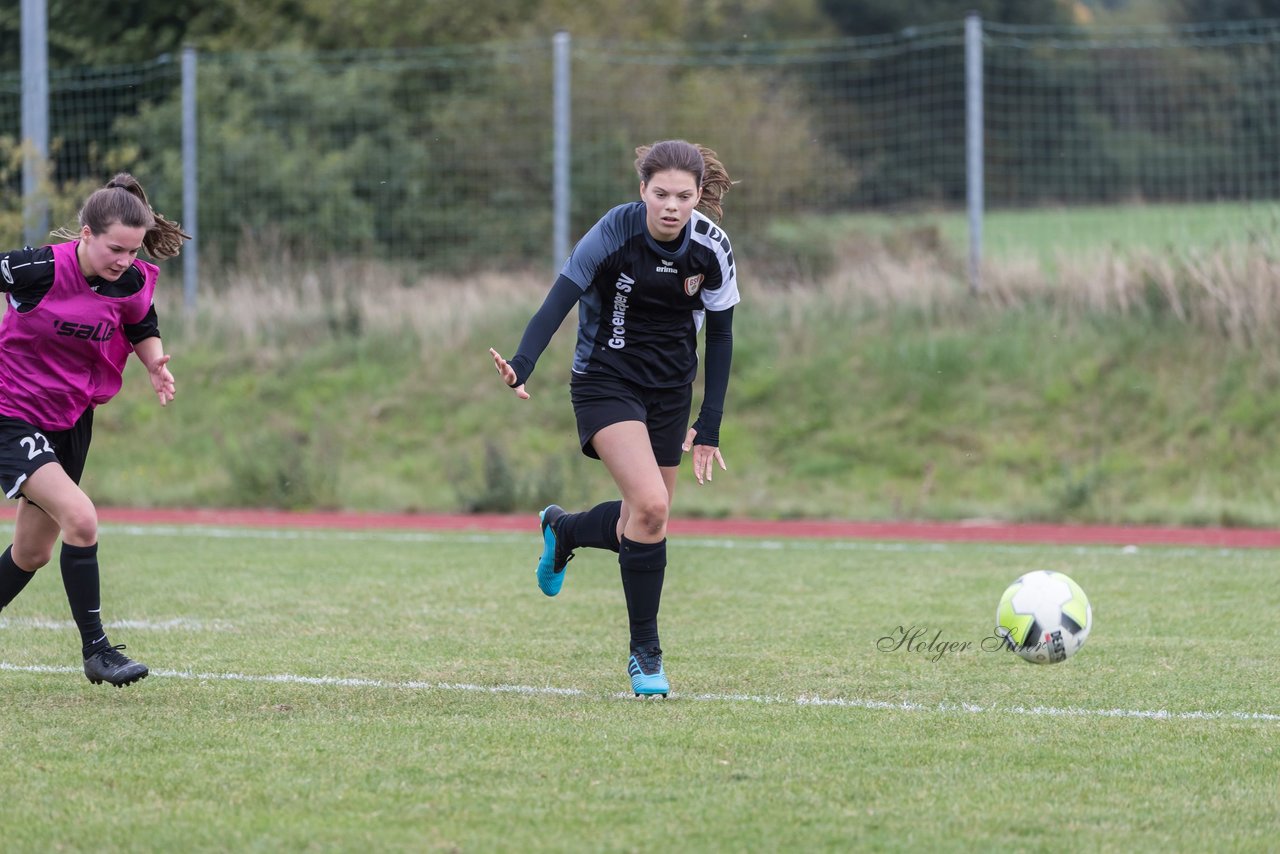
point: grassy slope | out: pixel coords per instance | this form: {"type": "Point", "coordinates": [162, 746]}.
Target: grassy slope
{"type": "Point", "coordinates": [1074, 390]}
{"type": "Point", "coordinates": [836, 409]}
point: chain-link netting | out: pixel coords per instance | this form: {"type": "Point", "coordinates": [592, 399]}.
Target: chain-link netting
{"type": "Point", "coordinates": [444, 156]}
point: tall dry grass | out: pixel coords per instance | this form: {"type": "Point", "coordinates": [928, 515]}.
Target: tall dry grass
{"type": "Point", "coordinates": [1230, 292]}
{"type": "Point", "coordinates": [297, 304]}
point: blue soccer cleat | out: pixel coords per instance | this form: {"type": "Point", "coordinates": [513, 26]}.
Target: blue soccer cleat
{"type": "Point", "coordinates": [554, 559]}
{"type": "Point", "coordinates": [648, 679]}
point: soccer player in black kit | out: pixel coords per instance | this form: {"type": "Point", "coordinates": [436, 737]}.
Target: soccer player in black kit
{"type": "Point", "coordinates": [645, 278]}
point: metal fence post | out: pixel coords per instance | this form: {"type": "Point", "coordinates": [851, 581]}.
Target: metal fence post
{"type": "Point", "coordinates": [35, 120]}
{"type": "Point", "coordinates": [973, 143]}
{"type": "Point", "coordinates": [190, 184]}
{"type": "Point", "coordinates": [560, 201]}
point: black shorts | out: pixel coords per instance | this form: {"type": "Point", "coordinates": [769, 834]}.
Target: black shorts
{"type": "Point", "coordinates": [25, 448]}
{"type": "Point", "coordinates": [599, 401]}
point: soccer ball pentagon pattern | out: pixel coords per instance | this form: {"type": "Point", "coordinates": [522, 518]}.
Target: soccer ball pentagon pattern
{"type": "Point", "coordinates": [1044, 617]}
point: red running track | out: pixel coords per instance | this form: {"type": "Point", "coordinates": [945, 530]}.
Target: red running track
{"type": "Point", "coordinates": [973, 531]}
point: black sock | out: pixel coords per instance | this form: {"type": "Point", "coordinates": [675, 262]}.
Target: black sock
{"type": "Point", "coordinates": [12, 578]}
{"type": "Point", "coordinates": [596, 528]}
{"type": "Point", "coordinates": [80, 578]}
{"type": "Point", "coordinates": [643, 568]}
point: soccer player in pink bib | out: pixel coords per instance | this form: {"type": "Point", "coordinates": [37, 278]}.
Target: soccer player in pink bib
{"type": "Point", "coordinates": [75, 312]}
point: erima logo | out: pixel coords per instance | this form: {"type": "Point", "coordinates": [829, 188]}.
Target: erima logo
{"type": "Point", "coordinates": [665, 267]}
{"type": "Point", "coordinates": [4, 269]}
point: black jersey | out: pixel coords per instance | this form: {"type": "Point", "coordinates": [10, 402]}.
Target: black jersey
{"type": "Point", "coordinates": [642, 305]}
{"type": "Point", "coordinates": [27, 275]}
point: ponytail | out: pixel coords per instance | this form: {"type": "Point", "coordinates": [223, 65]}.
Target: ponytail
{"type": "Point", "coordinates": [122, 200]}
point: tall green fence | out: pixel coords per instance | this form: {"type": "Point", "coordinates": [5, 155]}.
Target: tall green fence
{"type": "Point", "coordinates": [443, 157]}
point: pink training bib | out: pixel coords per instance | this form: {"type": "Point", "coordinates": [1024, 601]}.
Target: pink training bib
{"type": "Point", "coordinates": [68, 353]}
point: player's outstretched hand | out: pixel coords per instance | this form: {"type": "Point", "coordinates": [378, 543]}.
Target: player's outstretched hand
{"type": "Point", "coordinates": [162, 380]}
{"type": "Point", "coordinates": [703, 457]}
{"type": "Point", "coordinates": [508, 374]}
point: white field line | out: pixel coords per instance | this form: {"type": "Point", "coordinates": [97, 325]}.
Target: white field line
{"type": "Point", "coordinates": [183, 624]}
{"type": "Point", "coordinates": [744, 544]}
{"type": "Point", "coordinates": [801, 701]}
{"type": "Point", "coordinates": [748, 544]}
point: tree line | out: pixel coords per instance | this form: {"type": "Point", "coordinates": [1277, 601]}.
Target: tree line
{"type": "Point", "coordinates": [136, 30]}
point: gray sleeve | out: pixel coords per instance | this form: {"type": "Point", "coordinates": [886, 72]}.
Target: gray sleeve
{"type": "Point", "coordinates": [603, 240]}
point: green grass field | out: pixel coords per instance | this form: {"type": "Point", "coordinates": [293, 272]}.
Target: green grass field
{"type": "Point", "coordinates": [381, 691]}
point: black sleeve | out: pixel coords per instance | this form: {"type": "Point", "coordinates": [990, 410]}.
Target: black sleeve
{"type": "Point", "coordinates": [564, 295]}
{"type": "Point", "coordinates": [715, 377]}
{"type": "Point", "coordinates": [27, 274]}
{"type": "Point", "coordinates": [148, 327]}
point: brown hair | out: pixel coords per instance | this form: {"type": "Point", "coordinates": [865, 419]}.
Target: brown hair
{"type": "Point", "coordinates": [108, 205]}
{"type": "Point", "coordinates": [698, 160]}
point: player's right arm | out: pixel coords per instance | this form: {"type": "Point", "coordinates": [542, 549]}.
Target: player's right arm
{"type": "Point", "coordinates": [563, 296]}
{"type": "Point", "coordinates": [26, 275]}
{"type": "Point", "coordinates": [575, 277]}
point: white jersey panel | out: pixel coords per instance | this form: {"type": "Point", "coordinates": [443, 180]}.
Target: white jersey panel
{"type": "Point", "coordinates": [706, 233]}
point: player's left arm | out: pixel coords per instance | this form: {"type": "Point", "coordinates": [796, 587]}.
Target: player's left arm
{"type": "Point", "coordinates": [719, 296]}
{"type": "Point", "coordinates": [703, 438]}
{"type": "Point", "coordinates": [150, 351]}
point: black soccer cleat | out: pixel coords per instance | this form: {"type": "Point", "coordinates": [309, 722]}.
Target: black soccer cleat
{"type": "Point", "coordinates": [111, 665]}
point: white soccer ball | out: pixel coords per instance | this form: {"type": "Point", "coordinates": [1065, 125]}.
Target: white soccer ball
{"type": "Point", "coordinates": [1044, 617]}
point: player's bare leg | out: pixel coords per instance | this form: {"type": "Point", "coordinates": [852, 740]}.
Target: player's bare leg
{"type": "Point", "coordinates": [54, 505]}
{"type": "Point", "coordinates": [646, 491]}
